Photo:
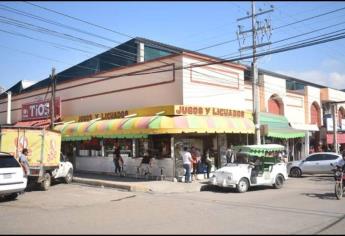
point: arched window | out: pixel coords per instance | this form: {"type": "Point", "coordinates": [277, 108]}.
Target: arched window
{"type": "Point", "coordinates": [275, 105]}
{"type": "Point", "coordinates": [315, 114]}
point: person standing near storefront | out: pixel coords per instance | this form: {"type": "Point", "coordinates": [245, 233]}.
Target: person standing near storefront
{"type": "Point", "coordinates": [23, 160]}
{"type": "Point", "coordinates": [187, 162]}
{"type": "Point", "coordinates": [229, 155]}
{"type": "Point", "coordinates": [208, 163]}
{"type": "Point", "coordinates": [118, 161]}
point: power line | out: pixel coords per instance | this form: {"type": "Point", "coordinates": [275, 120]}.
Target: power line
{"type": "Point", "coordinates": [310, 18]}
{"type": "Point", "coordinates": [87, 22]}
{"type": "Point", "coordinates": [279, 50]}
{"type": "Point", "coordinates": [77, 19]}
{"type": "Point", "coordinates": [43, 30]}
{"type": "Point", "coordinates": [32, 16]}
{"type": "Point", "coordinates": [279, 27]}
{"type": "Point", "coordinates": [57, 45]}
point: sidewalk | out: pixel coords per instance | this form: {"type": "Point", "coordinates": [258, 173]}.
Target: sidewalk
{"type": "Point", "coordinates": [132, 184]}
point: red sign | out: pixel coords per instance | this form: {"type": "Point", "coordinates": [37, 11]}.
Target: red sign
{"type": "Point", "coordinates": [40, 109]}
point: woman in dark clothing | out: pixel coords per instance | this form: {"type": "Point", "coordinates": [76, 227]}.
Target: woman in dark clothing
{"type": "Point", "coordinates": [208, 162]}
{"type": "Point", "coordinates": [118, 161]}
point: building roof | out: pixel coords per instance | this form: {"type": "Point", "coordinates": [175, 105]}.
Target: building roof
{"type": "Point", "coordinates": [114, 58]}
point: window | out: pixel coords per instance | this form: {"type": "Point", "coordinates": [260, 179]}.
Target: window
{"type": "Point", "coordinates": [152, 53]}
{"type": "Point", "coordinates": [317, 157]}
{"type": "Point", "coordinates": [329, 157]}
{"type": "Point", "coordinates": [293, 85]}
{"type": "Point", "coordinates": [157, 146]}
{"type": "Point", "coordinates": [8, 162]}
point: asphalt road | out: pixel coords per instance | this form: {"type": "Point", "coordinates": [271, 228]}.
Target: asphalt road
{"type": "Point", "coordinates": [303, 206]}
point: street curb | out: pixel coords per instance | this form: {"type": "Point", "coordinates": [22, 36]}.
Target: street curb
{"type": "Point", "coordinates": [111, 184]}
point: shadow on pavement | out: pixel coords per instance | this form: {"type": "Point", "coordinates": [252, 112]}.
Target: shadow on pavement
{"type": "Point", "coordinates": [217, 189]}
{"type": "Point", "coordinates": [112, 177]}
{"type": "Point", "coordinates": [324, 196]}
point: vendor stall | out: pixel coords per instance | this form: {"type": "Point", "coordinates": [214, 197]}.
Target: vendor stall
{"type": "Point", "coordinates": [160, 137]}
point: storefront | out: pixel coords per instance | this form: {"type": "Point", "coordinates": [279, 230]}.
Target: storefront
{"type": "Point", "coordinates": [91, 143]}
{"type": "Point", "coordinates": [276, 129]}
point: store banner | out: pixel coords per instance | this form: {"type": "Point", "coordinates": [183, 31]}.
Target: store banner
{"type": "Point", "coordinates": [40, 110]}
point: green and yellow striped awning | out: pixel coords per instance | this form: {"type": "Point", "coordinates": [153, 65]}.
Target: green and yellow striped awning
{"type": "Point", "coordinates": [278, 126]}
{"type": "Point", "coordinates": [142, 126]}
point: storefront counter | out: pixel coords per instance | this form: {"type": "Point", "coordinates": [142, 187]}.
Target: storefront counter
{"type": "Point", "coordinates": [106, 165]}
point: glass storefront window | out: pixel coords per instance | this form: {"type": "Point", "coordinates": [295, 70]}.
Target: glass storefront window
{"type": "Point", "coordinates": [157, 146]}
{"type": "Point", "coordinates": [94, 147]}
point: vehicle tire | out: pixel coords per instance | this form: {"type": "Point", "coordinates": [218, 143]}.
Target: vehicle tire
{"type": "Point", "coordinates": [242, 185]}
{"type": "Point", "coordinates": [279, 182]}
{"type": "Point", "coordinates": [69, 177]}
{"type": "Point", "coordinates": [338, 190]}
{"type": "Point", "coordinates": [295, 172]}
{"type": "Point", "coordinates": [45, 184]}
{"type": "Point", "coordinates": [12, 196]}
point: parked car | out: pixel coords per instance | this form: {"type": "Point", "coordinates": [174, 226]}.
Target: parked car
{"type": "Point", "coordinates": [252, 167]}
{"type": "Point", "coordinates": [316, 163]}
{"type": "Point", "coordinates": [12, 179]}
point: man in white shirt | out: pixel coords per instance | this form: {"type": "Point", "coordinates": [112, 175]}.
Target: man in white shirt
{"type": "Point", "coordinates": [187, 161]}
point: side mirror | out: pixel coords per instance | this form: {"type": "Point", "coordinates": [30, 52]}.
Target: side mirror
{"type": "Point", "coordinates": [332, 164]}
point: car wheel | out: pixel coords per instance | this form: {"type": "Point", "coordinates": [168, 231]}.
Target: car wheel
{"type": "Point", "coordinates": [295, 172]}
{"type": "Point", "coordinates": [69, 177]}
{"type": "Point", "coordinates": [242, 185]}
{"type": "Point", "coordinates": [279, 181]}
{"type": "Point", "coordinates": [12, 196]}
{"type": "Point", "coordinates": [45, 184]}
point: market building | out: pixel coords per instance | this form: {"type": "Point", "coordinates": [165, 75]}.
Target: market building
{"type": "Point", "coordinates": [162, 98]}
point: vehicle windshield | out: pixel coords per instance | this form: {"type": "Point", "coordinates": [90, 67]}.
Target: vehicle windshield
{"type": "Point", "coordinates": [244, 158]}
{"type": "Point", "coordinates": [7, 161]}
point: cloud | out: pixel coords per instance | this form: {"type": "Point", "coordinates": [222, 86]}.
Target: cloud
{"type": "Point", "coordinates": [330, 73]}
{"type": "Point", "coordinates": [330, 79]}
{"type": "Point", "coordinates": [332, 65]}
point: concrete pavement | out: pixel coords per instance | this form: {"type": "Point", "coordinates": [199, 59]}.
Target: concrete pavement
{"type": "Point", "coordinates": [133, 184]}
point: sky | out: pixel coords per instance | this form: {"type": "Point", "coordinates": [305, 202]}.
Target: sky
{"type": "Point", "coordinates": [189, 25]}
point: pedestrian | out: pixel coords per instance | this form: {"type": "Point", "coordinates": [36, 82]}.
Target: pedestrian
{"type": "Point", "coordinates": [229, 155]}
{"type": "Point", "coordinates": [23, 160]}
{"type": "Point", "coordinates": [187, 161]}
{"type": "Point", "coordinates": [146, 164]}
{"type": "Point", "coordinates": [208, 163]}
{"type": "Point", "coordinates": [118, 161]}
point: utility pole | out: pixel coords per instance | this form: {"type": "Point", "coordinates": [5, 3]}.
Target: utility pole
{"type": "Point", "coordinates": [52, 107]}
{"type": "Point", "coordinates": [335, 127]}
{"type": "Point", "coordinates": [9, 98]}
{"type": "Point", "coordinates": [263, 28]}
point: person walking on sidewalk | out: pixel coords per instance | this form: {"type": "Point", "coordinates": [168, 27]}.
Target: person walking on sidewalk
{"type": "Point", "coordinates": [187, 162]}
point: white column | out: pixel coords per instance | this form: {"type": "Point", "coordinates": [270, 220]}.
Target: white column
{"type": "Point", "coordinates": [306, 143]}
{"type": "Point", "coordinates": [140, 53]}
{"type": "Point", "coordinates": [9, 99]}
